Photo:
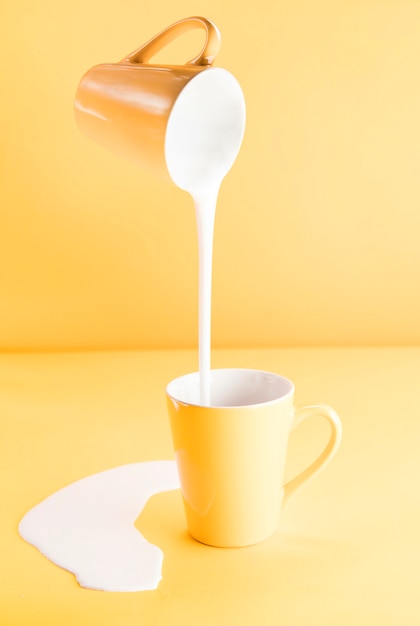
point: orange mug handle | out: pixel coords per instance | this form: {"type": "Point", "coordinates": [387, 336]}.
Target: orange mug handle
{"type": "Point", "coordinates": [326, 455]}
{"type": "Point", "coordinates": [205, 57]}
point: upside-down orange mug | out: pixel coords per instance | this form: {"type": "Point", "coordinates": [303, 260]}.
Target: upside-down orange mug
{"type": "Point", "coordinates": [184, 123]}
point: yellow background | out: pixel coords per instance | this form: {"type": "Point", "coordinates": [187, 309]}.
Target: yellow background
{"type": "Point", "coordinates": [317, 229]}
{"type": "Point", "coordinates": [317, 242]}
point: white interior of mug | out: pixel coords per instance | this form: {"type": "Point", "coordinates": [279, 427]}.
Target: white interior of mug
{"type": "Point", "coordinates": [232, 387]}
{"type": "Point", "coordinates": [205, 130]}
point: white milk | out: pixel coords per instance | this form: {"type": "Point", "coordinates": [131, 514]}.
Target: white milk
{"type": "Point", "coordinates": [203, 137]}
{"type": "Point", "coordinates": [88, 527]}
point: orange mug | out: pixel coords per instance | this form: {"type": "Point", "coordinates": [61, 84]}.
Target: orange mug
{"type": "Point", "coordinates": [184, 123]}
{"type": "Point", "coordinates": [231, 455]}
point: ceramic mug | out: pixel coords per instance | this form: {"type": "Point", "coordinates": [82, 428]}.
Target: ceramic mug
{"type": "Point", "coordinates": [183, 123]}
{"type": "Point", "coordinates": [231, 455]}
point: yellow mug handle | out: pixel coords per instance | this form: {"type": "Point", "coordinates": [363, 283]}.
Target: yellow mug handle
{"type": "Point", "coordinates": [302, 414]}
{"type": "Point", "coordinates": [207, 55]}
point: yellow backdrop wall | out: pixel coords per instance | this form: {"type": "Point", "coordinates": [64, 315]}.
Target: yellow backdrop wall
{"type": "Point", "coordinates": [318, 224]}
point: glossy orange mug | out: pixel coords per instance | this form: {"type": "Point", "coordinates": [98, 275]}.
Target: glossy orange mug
{"type": "Point", "coordinates": [231, 455]}
{"type": "Point", "coordinates": [184, 123]}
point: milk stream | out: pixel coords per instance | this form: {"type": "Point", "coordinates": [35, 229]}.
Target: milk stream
{"type": "Point", "coordinates": [88, 527]}
{"type": "Point", "coordinates": [205, 209]}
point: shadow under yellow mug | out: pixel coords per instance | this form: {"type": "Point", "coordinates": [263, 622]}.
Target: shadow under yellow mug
{"type": "Point", "coordinates": [231, 455]}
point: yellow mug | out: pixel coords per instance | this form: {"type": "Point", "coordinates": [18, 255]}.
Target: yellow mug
{"type": "Point", "coordinates": [184, 123]}
{"type": "Point", "coordinates": [231, 455]}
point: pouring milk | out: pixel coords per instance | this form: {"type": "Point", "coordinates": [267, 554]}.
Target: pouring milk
{"type": "Point", "coordinates": [186, 124]}
{"type": "Point", "coordinates": [203, 138]}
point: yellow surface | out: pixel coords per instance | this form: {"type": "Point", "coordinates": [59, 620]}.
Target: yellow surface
{"type": "Point", "coordinates": [318, 221]}
{"type": "Point", "coordinates": [347, 551]}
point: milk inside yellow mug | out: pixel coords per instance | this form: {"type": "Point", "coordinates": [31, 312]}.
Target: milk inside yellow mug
{"type": "Point", "coordinates": [231, 454]}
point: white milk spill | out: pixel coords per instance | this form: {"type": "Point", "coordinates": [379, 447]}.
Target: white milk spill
{"type": "Point", "coordinates": [88, 527]}
{"type": "Point", "coordinates": [203, 137]}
